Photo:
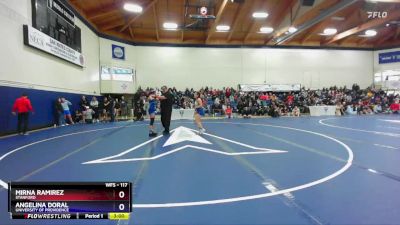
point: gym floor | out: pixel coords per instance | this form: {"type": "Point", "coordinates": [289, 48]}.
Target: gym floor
{"type": "Point", "coordinates": [308, 170]}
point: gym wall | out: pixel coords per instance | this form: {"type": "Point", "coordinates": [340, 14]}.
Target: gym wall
{"type": "Point", "coordinates": [220, 67]}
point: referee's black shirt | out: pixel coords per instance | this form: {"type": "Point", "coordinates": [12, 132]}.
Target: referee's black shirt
{"type": "Point", "coordinates": [166, 104]}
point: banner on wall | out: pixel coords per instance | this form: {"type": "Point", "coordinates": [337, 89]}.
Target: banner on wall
{"type": "Point", "coordinates": [392, 85]}
{"type": "Point", "coordinates": [118, 52]}
{"type": "Point", "coordinates": [36, 39]}
{"type": "Point", "coordinates": [117, 80]}
{"type": "Point", "coordinates": [389, 57]}
{"type": "Point", "coordinates": [116, 72]}
{"type": "Point", "coordinates": [270, 87]}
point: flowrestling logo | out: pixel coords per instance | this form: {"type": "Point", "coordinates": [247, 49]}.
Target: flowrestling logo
{"type": "Point", "coordinates": [377, 14]}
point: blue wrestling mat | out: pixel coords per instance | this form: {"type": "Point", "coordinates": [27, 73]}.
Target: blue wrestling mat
{"type": "Point", "coordinates": [336, 170]}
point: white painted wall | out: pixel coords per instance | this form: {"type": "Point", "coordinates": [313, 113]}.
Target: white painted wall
{"type": "Point", "coordinates": [220, 67]}
{"type": "Point", "coordinates": [387, 66]}
{"type": "Point", "coordinates": [33, 68]}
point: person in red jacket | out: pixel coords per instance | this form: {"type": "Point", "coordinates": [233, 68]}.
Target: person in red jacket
{"type": "Point", "coordinates": [395, 106]}
{"type": "Point", "coordinates": [22, 106]}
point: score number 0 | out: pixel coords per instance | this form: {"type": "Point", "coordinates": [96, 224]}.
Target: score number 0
{"type": "Point", "coordinates": [121, 195]}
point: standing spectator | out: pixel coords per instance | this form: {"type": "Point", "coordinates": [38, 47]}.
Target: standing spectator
{"type": "Point", "coordinates": [94, 104]}
{"type": "Point", "coordinates": [117, 109]}
{"type": "Point", "coordinates": [124, 108]}
{"type": "Point", "coordinates": [106, 106]}
{"type": "Point", "coordinates": [111, 108]}
{"type": "Point", "coordinates": [67, 113]}
{"type": "Point", "coordinates": [138, 105]}
{"type": "Point", "coordinates": [83, 103]}
{"type": "Point", "coordinates": [22, 106]}
{"type": "Point", "coordinates": [166, 108]}
{"type": "Point", "coordinates": [290, 98]}
{"type": "Point", "coordinates": [59, 113]}
{"type": "Point", "coordinates": [82, 106]}
{"type": "Point", "coordinates": [264, 98]}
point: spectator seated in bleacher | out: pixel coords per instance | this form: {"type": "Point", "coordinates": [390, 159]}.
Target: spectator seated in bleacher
{"type": "Point", "coordinates": [339, 109]}
{"type": "Point", "coordinates": [217, 109]}
{"type": "Point", "coordinates": [78, 117]}
{"type": "Point", "coordinates": [395, 107]}
{"type": "Point", "coordinates": [352, 109]}
{"type": "Point", "coordinates": [228, 111]}
{"type": "Point", "coordinates": [227, 101]}
{"type": "Point", "coordinates": [88, 114]}
{"type": "Point", "coordinates": [274, 111]}
{"type": "Point", "coordinates": [296, 111]}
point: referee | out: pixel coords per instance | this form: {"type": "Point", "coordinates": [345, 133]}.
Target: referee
{"type": "Point", "coordinates": [167, 99]}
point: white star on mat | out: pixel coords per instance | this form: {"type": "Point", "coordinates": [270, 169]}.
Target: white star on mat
{"type": "Point", "coordinates": [183, 134]}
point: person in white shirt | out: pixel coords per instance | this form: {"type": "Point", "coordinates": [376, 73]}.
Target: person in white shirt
{"type": "Point", "coordinates": [94, 105]}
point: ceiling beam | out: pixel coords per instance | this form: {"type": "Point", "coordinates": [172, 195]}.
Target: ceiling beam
{"type": "Point", "coordinates": [350, 21]}
{"type": "Point", "coordinates": [183, 20]}
{"type": "Point", "coordinates": [133, 19]}
{"type": "Point", "coordinates": [320, 17]}
{"type": "Point", "coordinates": [311, 13]}
{"type": "Point", "coordinates": [103, 14]}
{"type": "Point", "coordinates": [392, 15]}
{"type": "Point", "coordinates": [311, 32]}
{"type": "Point", "coordinates": [112, 24]}
{"type": "Point", "coordinates": [388, 1]}
{"type": "Point", "coordinates": [82, 13]}
{"type": "Point", "coordinates": [117, 34]}
{"type": "Point", "coordinates": [255, 21]}
{"type": "Point", "coordinates": [397, 34]}
{"type": "Point", "coordinates": [131, 32]}
{"type": "Point", "coordinates": [240, 14]}
{"type": "Point", "coordinates": [105, 10]}
{"type": "Point", "coordinates": [280, 14]}
{"type": "Point", "coordinates": [156, 22]}
{"type": "Point", "coordinates": [362, 41]}
{"type": "Point", "coordinates": [384, 36]}
{"type": "Point", "coordinates": [391, 44]}
{"type": "Point", "coordinates": [217, 20]}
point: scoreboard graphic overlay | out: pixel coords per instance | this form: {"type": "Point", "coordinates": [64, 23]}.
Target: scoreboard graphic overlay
{"type": "Point", "coordinates": [67, 200]}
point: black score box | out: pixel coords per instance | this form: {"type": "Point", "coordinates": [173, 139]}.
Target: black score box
{"type": "Point", "coordinates": [69, 197]}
